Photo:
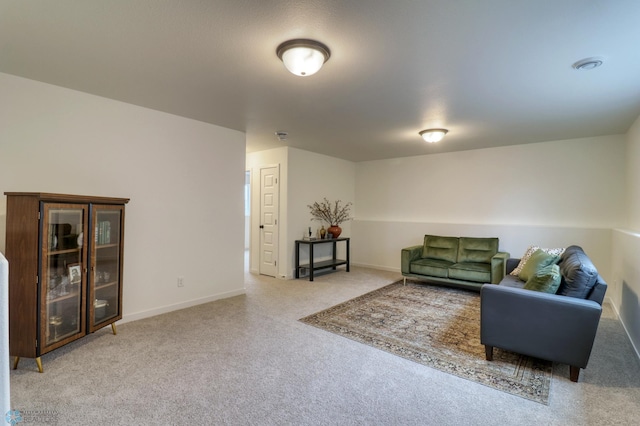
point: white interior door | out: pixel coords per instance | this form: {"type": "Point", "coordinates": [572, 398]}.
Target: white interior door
{"type": "Point", "coordinates": [269, 206]}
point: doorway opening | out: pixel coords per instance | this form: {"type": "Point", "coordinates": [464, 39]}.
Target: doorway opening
{"type": "Point", "coordinates": [247, 218]}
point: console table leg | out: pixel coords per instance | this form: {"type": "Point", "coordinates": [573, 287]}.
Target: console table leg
{"type": "Point", "coordinates": [334, 254]}
{"type": "Point", "coordinates": [348, 254]}
{"type": "Point", "coordinates": [39, 364]}
{"type": "Point", "coordinates": [310, 262]}
{"type": "Point", "coordinates": [15, 363]}
{"type": "Point", "coordinates": [297, 260]}
{"type": "Point", "coordinates": [113, 328]}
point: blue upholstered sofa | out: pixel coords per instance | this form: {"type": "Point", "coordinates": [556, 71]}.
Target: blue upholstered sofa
{"type": "Point", "coordinates": [559, 326]}
{"type": "Point", "coordinates": [456, 261]}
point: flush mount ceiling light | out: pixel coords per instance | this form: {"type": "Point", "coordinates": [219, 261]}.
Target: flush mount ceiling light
{"type": "Point", "coordinates": [588, 64]}
{"type": "Point", "coordinates": [433, 135]}
{"type": "Point", "coordinates": [303, 57]}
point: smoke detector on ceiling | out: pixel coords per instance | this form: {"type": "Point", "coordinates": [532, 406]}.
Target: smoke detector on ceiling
{"type": "Point", "coordinates": [588, 64]}
{"type": "Point", "coordinates": [282, 136]}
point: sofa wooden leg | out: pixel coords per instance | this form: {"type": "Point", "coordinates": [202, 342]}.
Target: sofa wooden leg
{"type": "Point", "coordinates": [488, 350]}
{"type": "Point", "coordinates": [574, 372]}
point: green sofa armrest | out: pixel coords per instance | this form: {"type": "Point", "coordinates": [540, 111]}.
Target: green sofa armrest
{"type": "Point", "coordinates": [408, 255]}
{"type": "Point", "coordinates": [498, 266]}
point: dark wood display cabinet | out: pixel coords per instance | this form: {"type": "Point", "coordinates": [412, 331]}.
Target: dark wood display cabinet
{"type": "Point", "coordinates": [65, 257]}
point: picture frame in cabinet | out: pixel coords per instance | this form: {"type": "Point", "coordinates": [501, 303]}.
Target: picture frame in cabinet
{"type": "Point", "coordinates": [75, 273]}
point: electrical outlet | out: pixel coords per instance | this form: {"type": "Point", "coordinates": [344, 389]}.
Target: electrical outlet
{"type": "Point", "coordinates": [180, 281]}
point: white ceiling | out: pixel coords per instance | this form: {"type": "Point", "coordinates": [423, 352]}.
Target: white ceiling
{"type": "Point", "coordinates": [493, 72]}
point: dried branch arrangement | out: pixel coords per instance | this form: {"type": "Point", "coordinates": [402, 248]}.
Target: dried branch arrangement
{"type": "Point", "coordinates": [332, 213]}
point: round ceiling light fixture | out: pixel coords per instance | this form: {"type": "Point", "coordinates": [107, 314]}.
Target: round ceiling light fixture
{"type": "Point", "coordinates": [588, 64]}
{"type": "Point", "coordinates": [433, 135]}
{"type": "Point", "coordinates": [303, 57]}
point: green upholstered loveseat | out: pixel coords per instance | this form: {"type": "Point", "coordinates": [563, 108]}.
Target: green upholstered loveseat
{"type": "Point", "coordinates": [459, 261]}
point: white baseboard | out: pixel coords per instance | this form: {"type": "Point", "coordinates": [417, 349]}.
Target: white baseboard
{"type": "Point", "coordinates": [626, 330]}
{"type": "Point", "coordinates": [378, 267]}
{"type": "Point", "coordinates": [182, 305]}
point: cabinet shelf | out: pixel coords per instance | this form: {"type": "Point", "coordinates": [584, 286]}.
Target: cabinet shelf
{"type": "Point", "coordinates": [63, 251]}
{"type": "Point", "coordinates": [100, 286]}
{"type": "Point", "coordinates": [103, 246]}
{"type": "Point", "coordinates": [69, 295]}
{"type": "Point", "coordinates": [324, 264]}
{"type": "Point", "coordinates": [57, 337]}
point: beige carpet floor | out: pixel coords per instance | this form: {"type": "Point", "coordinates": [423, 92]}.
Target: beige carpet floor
{"type": "Point", "coordinates": [438, 327]}
{"type": "Point", "coordinates": [248, 360]}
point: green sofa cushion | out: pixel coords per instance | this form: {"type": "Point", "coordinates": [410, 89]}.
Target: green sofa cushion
{"type": "Point", "coordinates": [538, 260]}
{"type": "Point", "coordinates": [546, 280]}
{"type": "Point", "coordinates": [431, 267]}
{"type": "Point", "coordinates": [471, 271]}
{"type": "Point", "coordinates": [440, 248]}
{"type": "Point", "coordinates": [478, 250]}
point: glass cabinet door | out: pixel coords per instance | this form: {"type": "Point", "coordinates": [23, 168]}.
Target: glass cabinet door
{"type": "Point", "coordinates": [106, 268]}
{"type": "Point", "coordinates": [62, 273]}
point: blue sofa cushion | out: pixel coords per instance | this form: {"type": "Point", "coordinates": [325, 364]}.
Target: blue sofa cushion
{"type": "Point", "coordinates": [579, 275]}
{"type": "Point", "coordinates": [432, 267]}
{"type": "Point", "coordinates": [440, 248]}
{"type": "Point", "coordinates": [512, 281]}
{"type": "Point", "coordinates": [477, 250]}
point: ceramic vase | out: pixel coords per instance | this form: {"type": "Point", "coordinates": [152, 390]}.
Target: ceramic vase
{"type": "Point", "coordinates": [335, 230]}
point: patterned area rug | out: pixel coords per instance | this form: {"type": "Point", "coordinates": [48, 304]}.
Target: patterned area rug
{"type": "Point", "coordinates": [438, 327]}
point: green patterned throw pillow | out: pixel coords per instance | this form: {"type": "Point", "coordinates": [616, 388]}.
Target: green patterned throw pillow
{"type": "Point", "coordinates": [538, 260]}
{"type": "Point", "coordinates": [546, 280]}
{"type": "Point", "coordinates": [527, 254]}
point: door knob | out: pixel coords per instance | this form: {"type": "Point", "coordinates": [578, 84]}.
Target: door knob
{"type": "Point", "coordinates": [261, 226]}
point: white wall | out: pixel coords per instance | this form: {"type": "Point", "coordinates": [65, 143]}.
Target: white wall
{"type": "Point", "coordinates": [185, 180]}
{"type": "Point", "coordinates": [312, 177]}
{"type": "Point", "coordinates": [305, 177]}
{"type": "Point", "coordinates": [551, 194]}
{"type": "Point", "coordinates": [625, 286]}
{"type": "Point", "coordinates": [633, 176]}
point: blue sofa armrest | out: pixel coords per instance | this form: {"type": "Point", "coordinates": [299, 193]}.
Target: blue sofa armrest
{"type": "Point", "coordinates": [547, 326]}
{"type": "Point", "coordinates": [408, 255]}
{"type": "Point", "coordinates": [498, 266]}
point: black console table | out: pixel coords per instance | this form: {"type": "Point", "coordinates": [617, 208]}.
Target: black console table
{"type": "Point", "coordinates": [331, 263]}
